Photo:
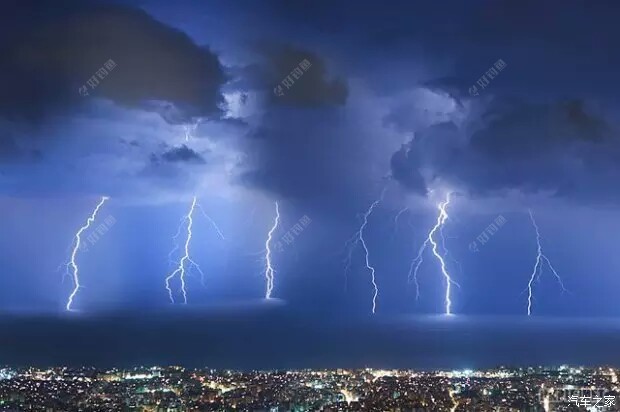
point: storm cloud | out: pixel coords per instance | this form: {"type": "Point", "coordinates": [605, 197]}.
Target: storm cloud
{"type": "Point", "coordinates": [565, 148]}
{"type": "Point", "coordinates": [54, 48]}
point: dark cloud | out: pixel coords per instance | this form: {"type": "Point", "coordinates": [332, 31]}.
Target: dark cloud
{"type": "Point", "coordinates": [132, 143]}
{"type": "Point", "coordinates": [565, 148]}
{"type": "Point", "coordinates": [406, 170]}
{"type": "Point", "coordinates": [285, 155]}
{"type": "Point", "coordinates": [586, 125]}
{"type": "Point", "coordinates": [293, 150]}
{"type": "Point", "coordinates": [10, 151]}
{"type": "Point", "coordinates": [52, 49]}
{"type": "Point", "coordinates": [312, 155]}
{"type": "Point", "coordinates": [182, 154]}
{"type": "Point", "coordinates": [172, 169]}
{"type": "Point", "coordinates": [302, 79]}
{"type": "Point", "coordinates": [457, 42]}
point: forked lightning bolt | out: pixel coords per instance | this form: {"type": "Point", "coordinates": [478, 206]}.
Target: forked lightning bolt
{"type": "Point", "coordinates": [415, 266]}
{"type": "Point", "coordinates": [186, 263]}
{"type": "Point", "coordinates": [441, 220]}
{"type": "Point", "coordinates": [78, 241]}
{"type": "Point", "coordinates": [540, 257]}
{"type": "Point", "coordinates": [181, 268]}
{"type": "Point", "coordinates": [358, 237]}
{"type": "Point", "coordinates": [431, 238]}
{"type": "Point", "coordinates": [269, 271]}
{"type": "Point", "coordinates": [176, 247]}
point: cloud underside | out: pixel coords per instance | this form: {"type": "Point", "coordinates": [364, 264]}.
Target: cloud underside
{"type": "Point", "coordinates": [563, 148]}
{"type": "Point", "coordinates": [48, 59]}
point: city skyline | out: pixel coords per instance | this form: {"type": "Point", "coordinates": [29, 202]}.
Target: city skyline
{"type": "Point", "coordinates": [179, 389]}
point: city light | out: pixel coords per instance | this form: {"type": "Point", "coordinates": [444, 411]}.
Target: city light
{"type": "Point", "coordinates": [181, 389]}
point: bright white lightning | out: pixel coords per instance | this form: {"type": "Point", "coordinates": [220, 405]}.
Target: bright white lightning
{"type": "Point", "coordinates": [403, 210]}
{"type": "Point", "coordinates": [171, 261]}
{"type": "Point", "coordinates": [540, 259]}
{"type": "Point", "coordinates": [206, 216]}
{"type": "Point", "coordinates": [396, 217]}
{"type": "Point", "coordinates": [441, 219]}
{"type": "Point", "coordinates": [415, 264]}
{"type": "Point", "coordinates": [78, 241]}
{"type": "Point", "coordinates": [190, 129]}
{"type": "Point", "coordinates": [359, 237]}
{"type": "Point", "coordinates": [181, 269]}
{"type": "Point", "coordinates": [187, 222]}
{"type": "Point", "coordinates": [269, 271]}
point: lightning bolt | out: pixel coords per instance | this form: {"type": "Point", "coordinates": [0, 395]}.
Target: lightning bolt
{"type": "Point", "coordinates": [269, 271]}
{"type": "Point", "coordinates": [190, 129]}
{"type": "Point", "coordinates": [540, 259]}
{"type": "Point", "coordinates": [358, 237]}
{"type": "Point", "coordinates": [415, 266]}
{"type": "Point", "coordinates": [417, 262]}
{"type": "Point", "coordinates": [186, 263]}
{"type": "Point", "coordinates": [181, 269]}
{"type": "Point", "coordinates": [206, 216]}
{"type": "Point", "coordinates": [171, 261]}
{"type": "Point", "coordinates": [396, 217]}
{"type": "Point", "coordinates": [78, 241]}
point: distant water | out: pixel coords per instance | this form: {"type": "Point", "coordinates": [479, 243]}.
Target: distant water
{"type": "Point", "coordinates": [259, 336]}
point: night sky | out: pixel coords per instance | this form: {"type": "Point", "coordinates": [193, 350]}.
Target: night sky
{"type": "Point", "coordinates": [510, 106]}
